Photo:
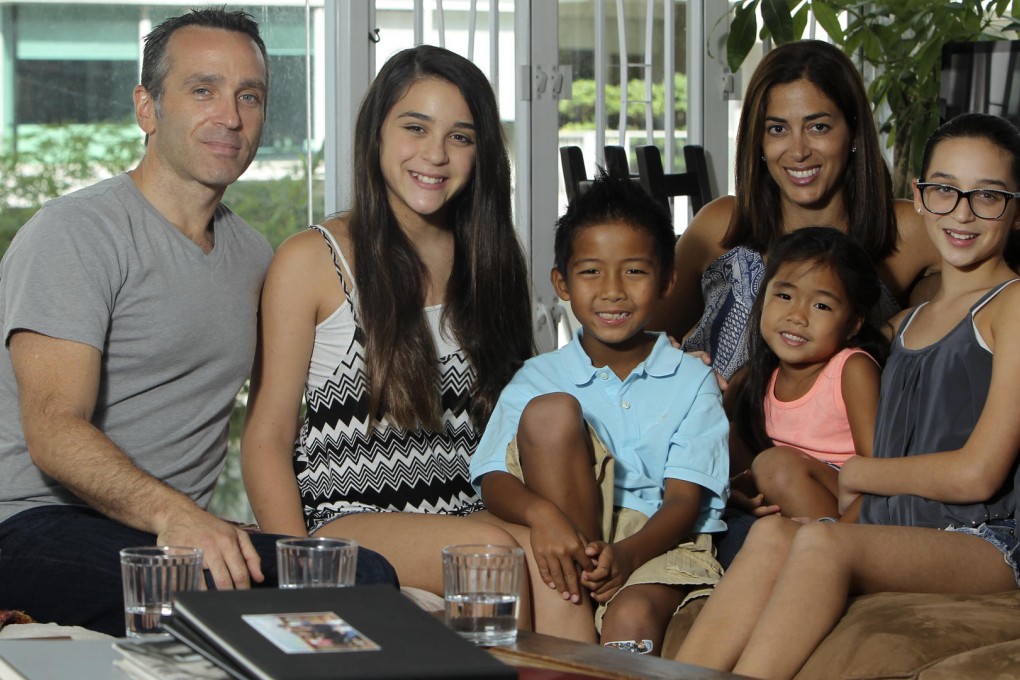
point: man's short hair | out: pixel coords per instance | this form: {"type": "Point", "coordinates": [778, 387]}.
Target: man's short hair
{"type": "Point", "coordinates": [156, 59]}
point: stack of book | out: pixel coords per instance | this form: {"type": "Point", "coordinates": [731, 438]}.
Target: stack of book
{"type": "Point", "coordinates": [363, 632]}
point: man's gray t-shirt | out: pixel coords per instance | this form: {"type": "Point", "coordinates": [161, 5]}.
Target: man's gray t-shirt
{"type": "Point", "coordinates": [176, 328]}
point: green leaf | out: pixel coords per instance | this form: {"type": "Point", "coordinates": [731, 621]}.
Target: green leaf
{"type": "Point", "coordinates": [853, 41]}
{"type": "Point", "coordinates": [800, 21]}
{"type": "Point", "coordinates": [872, 46]}
{"type": "Point", "coordinates": [777, 18]}
{"type": "Point", "coordinates": [929, 57]}
{"type": "Point", "coordinates": [828, 20]}
{"type": "Point", "coordinates": [743, 32]}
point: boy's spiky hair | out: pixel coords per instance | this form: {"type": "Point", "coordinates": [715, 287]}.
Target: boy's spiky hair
{"type": "Point", "coordinates": [610, 199]}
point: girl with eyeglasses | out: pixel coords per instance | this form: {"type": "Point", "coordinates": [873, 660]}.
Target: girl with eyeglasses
{"type": "Point", "coordinates": [938, 509]}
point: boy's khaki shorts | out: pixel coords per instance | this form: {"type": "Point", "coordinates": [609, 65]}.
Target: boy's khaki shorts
{"type": "Point", "coordinates": [691, 563]}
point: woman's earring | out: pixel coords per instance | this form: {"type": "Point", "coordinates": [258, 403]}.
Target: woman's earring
{"type": "Point", "coordinates": [853, 149]}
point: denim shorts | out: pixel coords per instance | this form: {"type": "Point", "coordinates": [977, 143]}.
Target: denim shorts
{"type": "Point", "coordinates": [1002, 534]}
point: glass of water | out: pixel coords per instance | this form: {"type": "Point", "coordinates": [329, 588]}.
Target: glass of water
{"type": "Point", "coordinates": [482, 587]}
{"type": "Point", "coordinates": [316, 562]}
{"type": "Point", "coordinates": [151, 576]}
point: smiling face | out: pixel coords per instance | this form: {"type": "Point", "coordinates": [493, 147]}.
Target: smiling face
{"type": "Point", "coordinates": [964, 240]}
{"type": "Point", "coordinates": [806, 144]}
{"type": "Point", "coordinates": [806, 317]}
{"type": "Point", "coordinates": [613, 282]}
{"type": "Point", "coordinates": [427, 151]}
{"type": "Point", "coordinates": [208, 123]}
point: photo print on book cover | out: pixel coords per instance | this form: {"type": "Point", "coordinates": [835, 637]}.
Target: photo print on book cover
{"type": "Point", "coordinates": [310, 632]}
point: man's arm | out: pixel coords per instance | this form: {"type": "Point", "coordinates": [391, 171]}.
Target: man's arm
{"type": "Point", "coordinates": [58, 384]}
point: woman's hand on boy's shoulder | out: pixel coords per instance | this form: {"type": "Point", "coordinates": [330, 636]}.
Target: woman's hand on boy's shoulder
{"type": "Point", "coordinates": [707, 360]}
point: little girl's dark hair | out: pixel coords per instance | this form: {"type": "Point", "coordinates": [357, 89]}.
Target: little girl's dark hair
{"type": "Point", "coordinates": [850, 262]}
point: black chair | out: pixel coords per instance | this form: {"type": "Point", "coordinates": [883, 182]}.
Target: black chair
{"type": "Point", "coordinates": [576, 177]}
{"type": "Point", "coordinates": [574, 174]}
{"type": "Point", "coordinates": [662, 186]}
{"type": "Point", "coordinates": [617, 164]}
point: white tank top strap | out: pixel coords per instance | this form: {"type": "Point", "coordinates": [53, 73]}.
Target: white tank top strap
{"type": "Point", "coordinates": [979, 306]}
{"type": "Point", "coordinates": [995, 291]}
{"type": "Point", "coordinates": [905, 324]}
{"type": "Point", "coordinates": [343, 270]}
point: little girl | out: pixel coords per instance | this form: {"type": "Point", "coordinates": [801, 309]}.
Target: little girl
{"type": "Point", "coordinates": [940, 501]}
{"type": "Point", "coordinates": [806, 399]}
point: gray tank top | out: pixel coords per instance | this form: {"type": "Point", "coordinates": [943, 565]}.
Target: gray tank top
{"type": "Point", "coordinates": [931, 399]}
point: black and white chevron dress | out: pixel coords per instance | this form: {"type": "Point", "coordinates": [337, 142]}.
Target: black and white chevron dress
{"type": "Point", "coordinates": [343, 466]}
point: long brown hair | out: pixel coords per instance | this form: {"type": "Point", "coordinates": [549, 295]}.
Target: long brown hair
{"type": "Point", "coordinates": [867, 185]}
{"type": "Point", "coordinates": [487, 300]}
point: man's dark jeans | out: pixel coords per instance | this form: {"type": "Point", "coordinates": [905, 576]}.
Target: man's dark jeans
{"type": "Point", "coordinates": [61, 564]}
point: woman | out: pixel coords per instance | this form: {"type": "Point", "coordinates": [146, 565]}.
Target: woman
{"type": "Point", "coordinates": [807, 154]}
{"type": "Point", "coordinates": [399, 322]}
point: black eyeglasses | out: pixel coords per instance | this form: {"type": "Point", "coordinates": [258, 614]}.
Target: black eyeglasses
{"type": "Point", "coordinates": [942, 199]}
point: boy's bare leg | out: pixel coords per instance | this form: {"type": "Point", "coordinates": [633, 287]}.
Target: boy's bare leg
{"type": "Point", "coordinates": [552, 614]}
{"type": "Point", "coordinates": [800, 485]}
{"type": "Point", "coordinates": [828, 562]}
{"type": "Point", "coordinates": [641, 612]}
{"type": "Point", "coordinates": [557, 459]}
{"type": "Point", "coordinates": [726, 622]}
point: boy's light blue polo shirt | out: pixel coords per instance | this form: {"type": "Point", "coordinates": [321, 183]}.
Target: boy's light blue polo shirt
{"type": "Point", "coordinates": [665, 420]}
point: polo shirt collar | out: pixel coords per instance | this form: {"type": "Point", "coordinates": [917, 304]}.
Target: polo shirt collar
{"type": "Point", "coordinates": [662, 360]}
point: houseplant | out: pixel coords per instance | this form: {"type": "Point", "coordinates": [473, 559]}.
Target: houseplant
{"type": "Point", "coordinates": [901, 39]}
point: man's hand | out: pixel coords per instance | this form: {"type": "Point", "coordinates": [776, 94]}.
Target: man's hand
{"type": "Point", "coordinates": [559, 549]}
{"type": "Point", "coordinates": [227, 550]}
{"type": "Point", "coordinates": [613, 566]}
{"type": "Point", "coordinates": [58, 382]}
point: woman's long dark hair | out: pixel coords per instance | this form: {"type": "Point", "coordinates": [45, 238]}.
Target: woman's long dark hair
{"type": "Point", "coordinates": [487, 299]}
{"type": "Point", "coordinates": [867, 185]}
{"type": "Point", "coordinates": [850, 262]}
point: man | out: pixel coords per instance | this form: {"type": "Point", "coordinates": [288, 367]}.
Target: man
{"type": "Point", "coordinates": [129, 318]}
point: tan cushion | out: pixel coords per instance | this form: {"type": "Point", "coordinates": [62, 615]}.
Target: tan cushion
{"type": "Point", "coordinates": [908, 635]}
{"type": "Point", "coordinates": [991, 662]}
{"type": "Point", "coordinates": [897, 635]}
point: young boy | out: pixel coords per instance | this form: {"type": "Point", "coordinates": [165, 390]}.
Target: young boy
{"type": "Point", "coordinates": [613, 449]}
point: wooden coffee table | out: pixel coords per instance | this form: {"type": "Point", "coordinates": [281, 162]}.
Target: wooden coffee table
{"type": "Point", "coordinates": [538, 651]}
